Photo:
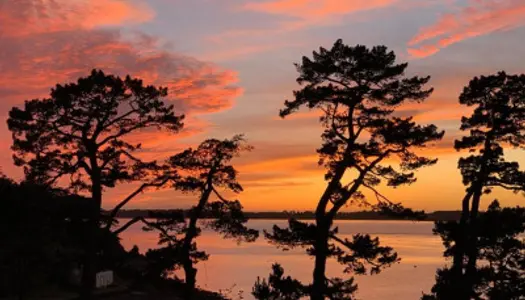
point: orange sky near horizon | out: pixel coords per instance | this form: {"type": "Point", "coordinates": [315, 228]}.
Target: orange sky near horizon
{"type": "Point", "coordinates": [228, 65]}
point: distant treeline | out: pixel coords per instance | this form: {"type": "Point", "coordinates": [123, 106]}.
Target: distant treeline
{"type": "Point", "coordinates": [305, 215]}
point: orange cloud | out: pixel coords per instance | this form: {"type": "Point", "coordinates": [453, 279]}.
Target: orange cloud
{"type": "Point", "coordinates": [35, 63]}
{"type": "Point", "coordinates": [481, 17]}
{"type": "Point", "coordinates": [45, 42]}
{"type": "Point", "coordinates": [41, 16]}
{"type": "Point", "coordinates": [316, 11]}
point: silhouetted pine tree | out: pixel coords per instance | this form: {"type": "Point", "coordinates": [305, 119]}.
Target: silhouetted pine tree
{"type": "Point", "coordinates": [501, 251]}
{"type": "Point", "coordinates": [357, 89]}
{"type": "Point", "coordinates": [79, 133]}
{"type": "Point", "coordinates": [497, 121]}
{"type": "Point", "coordinates": [204, 171]}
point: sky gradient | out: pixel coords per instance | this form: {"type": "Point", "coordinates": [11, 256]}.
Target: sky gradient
{"type": "Point", "coordinates": [228, 65]}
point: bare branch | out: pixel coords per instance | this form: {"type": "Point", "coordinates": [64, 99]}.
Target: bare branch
{"type": "Point", "coordinates": [357, 182]}
{"type": "Point", "coordinates": [337, 81]}
{"type": "Point", "coordinates": [345, 243]}
{"type": "Point", "coordinates": [128, 224]}
{"type": "Point", "coordinates": [117, 119]}
{"type": "Point", "coordinates": [119, 206]}
{"type": "Point", "coordinates": [515, 188]}
{"type": "Point", "coordinates": [380, 197]}
{"type": "Point", "coordinates": [69, 135]}
{"type": "Point", "coordinates": [146, 222]}
{"type": "Point", "coordinates": [219, 195]}
{"type": "Point", "coordinates": [122, 132]}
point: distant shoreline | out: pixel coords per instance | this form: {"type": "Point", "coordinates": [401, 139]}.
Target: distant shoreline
{"type": "Point", "coordinates": [284, 215]}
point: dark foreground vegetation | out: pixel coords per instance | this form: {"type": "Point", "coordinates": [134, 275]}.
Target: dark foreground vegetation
{"type": "Point", "coordinates": [44, 248]}
{"type": "Point", "coordinates": [74, 146]}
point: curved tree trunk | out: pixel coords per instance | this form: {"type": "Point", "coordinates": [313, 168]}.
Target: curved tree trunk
{"type": "Point", "coordinates": [466, 247]}
{"type": "Point", "coordinates": [323, 223]}
{"type": "Point", "coordinates": [190, 272]}
{"type": "Point", "coordinates": [471, 247]}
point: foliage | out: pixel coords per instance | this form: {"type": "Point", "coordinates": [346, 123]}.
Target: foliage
{"type": "Point", "coordinates": [501, 247]}
{"type": "Point", "coordinates": [166, 260]}
{"type": "Point", "coordinates": [497, 122]}
{"type": "Point", "coordinates": [229, 221]}
{"type": "Point", "coordinates": [80, 130]}
{"type": "Point", "coordinates": [202, 171]}
{"type": "Point", "coordinates": [358, 90]}
{"type": "Point", "coordinates": [278, 287]}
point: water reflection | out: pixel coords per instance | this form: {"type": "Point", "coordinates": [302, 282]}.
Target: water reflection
{"type": "Point", "coordinates": [237, 266]}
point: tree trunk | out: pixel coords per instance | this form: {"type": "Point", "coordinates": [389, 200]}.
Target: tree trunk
{"type": "Point", "coordinates": [323, 223]}
{"type": "Point", "coordinates": [321, 250]}
{"type": "Point", "coordinates": [472, 249]}
{"type": "Point", "coordinates": [466, 246]}
{"type": "Point", "coordinates": [190, 272]}
{"type": "Point", "coordinates": [459, 253]}
{"type": "Point", "coordinates": [22, 279]}
{"type": "Point", "coordinates": [92, 243]}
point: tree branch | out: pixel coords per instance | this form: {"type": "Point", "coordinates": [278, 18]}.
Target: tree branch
{"type": "Point", "coordinates": [219, 195]}
{"type": "Point", "coordinates": [121, 133]}
{"type": "Point", "coordinates": [345, 243]}
{"type": "Point", "coordinates": [380, 197]}
{"type": "Point", "coordinates": [355, 186]}
{"type": "Point", "coordinates": [117, 119]}
{"type": "Point", "coordinates": [336, 81]}
{"type": "Point", "coordinates": [335, 129]}
{"type": "Point", "coordinates": [516, 188]}
{"type": "Point", "coordinates": [117, 208]}
{"type": "Point", "coordinates": [141, 219]}
{"type": "Point", "coordinates": [128, 224]}
{"type": "Point", "coordinates": [69, 135]}
{"type": "Point", "coordinates": [117, 154]}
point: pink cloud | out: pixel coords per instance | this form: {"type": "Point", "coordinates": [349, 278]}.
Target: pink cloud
{"type": "Point", "coordinates": [45, 42]}
{"type": "Point", "coordinates": [481, 17]}
{"type": "Point", "coordinates": [32, 64]}
{"type": "Point", "coordinates": [21, 17]}
{"type": "Point", "coordinates": [316, 11]}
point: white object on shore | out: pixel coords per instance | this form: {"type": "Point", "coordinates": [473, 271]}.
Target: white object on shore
{"type": "Point", "coordinates": [104, 279]}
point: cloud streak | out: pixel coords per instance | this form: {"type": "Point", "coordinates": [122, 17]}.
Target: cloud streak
{"type": "Point", "coordinates": [315, 12]}
{"type": "Point", "coordinates": [480, 17]}
{"type": "Point", "coordinates": [298, 15]}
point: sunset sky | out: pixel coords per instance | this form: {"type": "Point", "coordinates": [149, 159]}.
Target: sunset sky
{"type": "Point", "coordinates": [229, 67]}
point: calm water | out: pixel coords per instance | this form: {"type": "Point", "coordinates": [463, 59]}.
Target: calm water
{"type": "Point", "coordinates": [236, 267]}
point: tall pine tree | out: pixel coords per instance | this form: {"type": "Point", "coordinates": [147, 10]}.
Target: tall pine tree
{"type": "Point", "coordinates": [79, 133]}
{"type": "Point", "coordinates": [206, 172]}
{"type": "Point", "coordinates": [497, 121]}
{"type": "Point", "coordinates": [357, 89]}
